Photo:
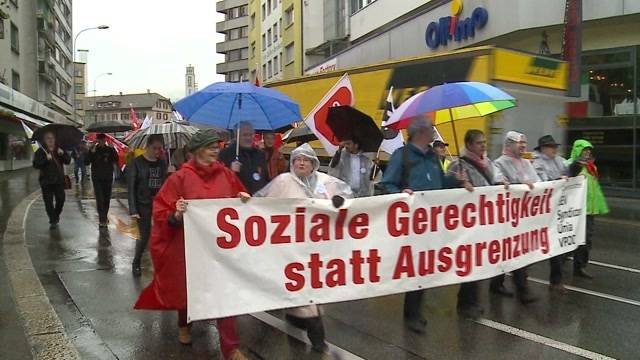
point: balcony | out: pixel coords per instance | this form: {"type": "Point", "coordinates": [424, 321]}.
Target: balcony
{"type": "Point", "coordinates": [225, 46]}
{"type": "Point", "coordinates": [223, 68]}
{"type": "Point", "coordinates": [60, 104]}
{"type": "Point", "coordinates": [45, 71]}
{"type": "Point", "coordinates": [222, 6]}
{"type": "Point", "coordinates": [224, 26]}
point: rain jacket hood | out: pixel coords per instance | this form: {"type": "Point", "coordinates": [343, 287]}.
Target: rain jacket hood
{"type": "Point", "coordinates": [307, 151]}
{"type": "Point", "coordinates": [596, 202]}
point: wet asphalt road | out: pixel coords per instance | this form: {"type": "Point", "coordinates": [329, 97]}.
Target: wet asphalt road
{"type": "Point", "coordinates": [86, 273]}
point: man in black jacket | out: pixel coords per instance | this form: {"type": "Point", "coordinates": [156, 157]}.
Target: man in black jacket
{"type": "Point", "coordinates": [50, 160]}
{"type": "Point", "coordinates": [250, 165]}
{"type": "Point", "coordinates": [146, 174]}
{"type": "Point", "coordinates": [103, 158]}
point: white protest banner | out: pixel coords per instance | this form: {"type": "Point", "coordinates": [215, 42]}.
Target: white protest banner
{"type": "Point", "coordinates": [278, 253]}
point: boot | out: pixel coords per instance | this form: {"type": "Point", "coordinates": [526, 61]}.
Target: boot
{"type": "Point", "coordinates": [315, 332]}
{"type": "Point", "coordinates": [184, 335]}
{"type": "Point", "coordinates": [525, 297]}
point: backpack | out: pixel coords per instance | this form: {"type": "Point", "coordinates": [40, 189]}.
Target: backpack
{"type": "Point", "coordinates": [380, 189]}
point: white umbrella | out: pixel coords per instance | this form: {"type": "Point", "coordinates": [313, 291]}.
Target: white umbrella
{"type": "Point", "coordinates": [175, 135]}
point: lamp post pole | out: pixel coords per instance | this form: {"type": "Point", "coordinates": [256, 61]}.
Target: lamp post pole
{"type": "Point", "coordinates": [73, 62]}
{"type": "Point", "coordinates": [95, 88]}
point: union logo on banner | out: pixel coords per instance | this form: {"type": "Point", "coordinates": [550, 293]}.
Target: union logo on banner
{"type": "Point", "coordinates": [340, 94]}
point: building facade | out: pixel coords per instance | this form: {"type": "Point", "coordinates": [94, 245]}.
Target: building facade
{"type": "Point", "coordinates": [606, 113]}
{"type": "Point", "coordinates": [35, 73]}
{"type": "Point", "coordinates": [190, 84]}
{"type": "Point", "coordinates": [80, 84]}
{"type": "Point", "coordinates": [235, 45]}
{"type": "Point", "coordinates": [275, 39]}
{"type": "Point", "coordinates": [117, 108]}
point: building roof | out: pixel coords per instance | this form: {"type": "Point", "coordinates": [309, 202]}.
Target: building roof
{"type": "Point", "coordinates": [143, 100]}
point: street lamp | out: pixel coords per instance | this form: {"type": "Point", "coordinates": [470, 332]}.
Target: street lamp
{"type": "Point", "coordinates": [73, 61]}
{"type": "Point", "coordinates": [95, 88]}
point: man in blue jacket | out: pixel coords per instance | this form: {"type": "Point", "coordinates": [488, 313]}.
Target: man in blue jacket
{"type": "Point", "coordinates": [416, 167]}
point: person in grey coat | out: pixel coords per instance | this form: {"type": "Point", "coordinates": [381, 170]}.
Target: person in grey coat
{"type": "Point", "coordinates": [474, 165]}
{"type": "Point", "coordinates": [514, 169]}
{"type": "Point", "coordinates": [350, 165]}
{"type": "Point", "coordinates": [550, 166]}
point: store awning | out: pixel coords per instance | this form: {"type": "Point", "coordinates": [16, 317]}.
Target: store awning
{"type": "Point", "coordinates": [32, 121]}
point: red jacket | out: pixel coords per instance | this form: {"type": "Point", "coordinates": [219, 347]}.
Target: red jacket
{"type": "Point", "coordinates": [276, 163]}
{"type": "Point", "coordinates": [168, 291]}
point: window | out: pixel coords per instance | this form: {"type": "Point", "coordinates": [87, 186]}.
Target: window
{"type": "Point", "coordinates": [234, 76]}
{"type": "Point", "coordinates": [244, 75]}
{"type": "Point", "coordinates": [159, 115]}
{"type": "Point", "coordinates": [244, 31]}
{"type": "Point", "coordinates": [15, 80]}
{"type": "Point", "coordinates": [252, 22]}
{"type": "Point", "coordinates": [15, 38]}
{"type": "Point", "coordinates": [233, 13]}
{"type": "Point", "coordinates": [264, 72]}
{"type": "Point", "coordinates": [275, 4]}
{"type": "Point", "coordinates": [233, 55]}
{"type": "Point", "coordinates": [234, 34]}
{"type": "Point", "coordinates": [114, 116]}
{"type": "Point", "coordinates": [280, 60]}
{"type": "Point", "coordinates": [276, 65]}
{"type": "Point", "coordinates": [269, 69]}
{"type": "Point", "coordinates": [165, 116]}
{"type": "Point", "coordinates": [79, 89]}
{"type": "Point", "coordinates": [288, 16]}
{"type": "Point", "coordinates": [280, 27]}
{"type": "Point", "coordinates": [253, 49]}
{"type": "Point", "coordinates": [100, 117]}
{"type": "Point", "coordinates": [244, 10]}
{"type": "Point", "coordinates": [275, 32]}
{"type": "Point", "coordinates": [79, 105]}
{"type": "Point", "coordinates": [264, 42]}
{"type": "Point", "coordinates": [357, 5]}
{"type": "Point", "coordinates": [269, 37]}
{"type": "Point", "coordinates": [124, 116]}
{"type": "Point", "coordinates": [269, 7]}
{"type": "Point", "coordinates": [244, 53]}
{"type": "Point", "coordinates": [264, 12]}
{"type": "Point", "coordinates": [288, 54]}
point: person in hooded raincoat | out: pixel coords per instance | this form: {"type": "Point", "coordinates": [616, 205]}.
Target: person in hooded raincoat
{"type": "Point", "coordinates": [305, 181]}
{"type": "Point", "coordinates": [203, 177]}
{"type": "Point", "coordinates": [581, 162]}
{"type": "Point", "coordinates": [514, 169]}
{"type": "Point", "coordinates": [350, 165]}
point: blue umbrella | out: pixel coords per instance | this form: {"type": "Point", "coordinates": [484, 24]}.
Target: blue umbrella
{"type": "Point", "coordinates": [225, 104]}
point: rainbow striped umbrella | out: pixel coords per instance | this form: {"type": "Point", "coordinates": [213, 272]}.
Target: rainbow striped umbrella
{"type": "Point", "coordinates": [450, 102]}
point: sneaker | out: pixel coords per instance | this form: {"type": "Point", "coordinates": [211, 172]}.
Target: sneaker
{"type": "Point", "coordinates": [581, 273]}
{"type": "Point", "coordinates": [558, 288]}
{"type": "Point", "coordinates": [501, 291]}
{"type": "Point", "coordinates": [184, 335]}
{"type": "Point", "coordinates": [470, 311]}
{"type": "Point", "coordinates": [416, 325]}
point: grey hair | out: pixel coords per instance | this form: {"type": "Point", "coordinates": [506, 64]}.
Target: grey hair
{"type": "Point", "coordinates": [418, 124]}
{"type": "Point", "coordinates": [243, 125]}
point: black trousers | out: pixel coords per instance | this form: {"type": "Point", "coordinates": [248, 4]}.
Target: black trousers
{"type": "Point", "coordinates": [49, 193]}
{"type": "Point", "coordinates": [581, 254]}
{"type": "Point", "coordinates": [412, 303]}
{"type": "Point", "coordinates": [468, 294]}
{"type": "Point", "coordinates": [144, 226]}
{"type": "Point", "coordinates": [555, 265]}
{"type": "Point", "coordinates": [519, 280]}
{"type": "Point", "coordinates": [102, 190]}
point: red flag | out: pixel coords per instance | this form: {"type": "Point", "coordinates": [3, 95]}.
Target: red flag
{"type": "Point", "coordinates": [135, 122]}
{"type": "Point", "coordinates": [340, 94]}
{"type": "Point", "coordinates": [257, 82]}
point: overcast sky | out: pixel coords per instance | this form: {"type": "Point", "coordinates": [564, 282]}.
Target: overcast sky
{"type": "Point", "coordinates": [149, 44]}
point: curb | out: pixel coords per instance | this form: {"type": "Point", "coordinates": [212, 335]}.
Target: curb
{"type": "Point", "coordinates": [41, 324]}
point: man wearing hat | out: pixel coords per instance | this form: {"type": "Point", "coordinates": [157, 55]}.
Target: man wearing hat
{"type": "Point", "coordinates": [549, 166]}
{"type": "Point", "coordinates": [440, 148]}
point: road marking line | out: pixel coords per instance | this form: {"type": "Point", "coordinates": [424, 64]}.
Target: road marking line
{"type": "Point", "coordinates": [591, 292]}
{"type": "Point", "coordinates": [612, 266]}
{"type": "Point", "coordinates": [543, 340]}
{"type": "Point", "coordinates": [301, 335]}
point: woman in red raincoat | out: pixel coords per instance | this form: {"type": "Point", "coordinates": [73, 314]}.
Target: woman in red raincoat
{"type": "Point", "coordinates": [203, 177]}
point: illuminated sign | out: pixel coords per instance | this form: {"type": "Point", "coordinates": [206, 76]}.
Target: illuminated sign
{"type": "Point", "coordinates": [453, 28]}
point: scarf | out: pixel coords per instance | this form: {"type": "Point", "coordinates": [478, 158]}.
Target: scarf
{"type": "Point", "coordinates": [479, 161]}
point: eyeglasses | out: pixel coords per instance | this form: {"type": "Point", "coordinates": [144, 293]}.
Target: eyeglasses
{"type": "Point", "coordinates": [303, 160]}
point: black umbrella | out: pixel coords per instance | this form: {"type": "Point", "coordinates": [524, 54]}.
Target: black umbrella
{"type": "Point", "coordinates": [109, 126]}
{"type": "Point", "coordinates": [300, 134]}
{"type": "Point", "coordinates": [67, 136]}
{"type": "Point", "coordinates": [349, 123]}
